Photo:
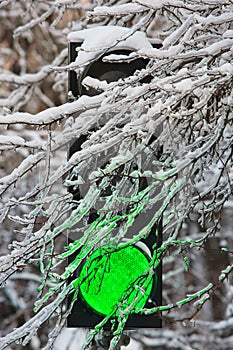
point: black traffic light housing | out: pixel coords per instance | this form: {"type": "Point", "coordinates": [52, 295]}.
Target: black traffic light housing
{"type": "Point", "coordinates": [102, 70]}
{"type": "Point", "coordinates": [82, 315]}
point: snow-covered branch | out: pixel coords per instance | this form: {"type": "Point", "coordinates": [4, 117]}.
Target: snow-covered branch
{"type": "Point", "coordinates": [152, 146]}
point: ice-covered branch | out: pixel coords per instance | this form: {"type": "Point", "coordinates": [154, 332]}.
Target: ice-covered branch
{"type": "Point", "coordinates": [155, 145]}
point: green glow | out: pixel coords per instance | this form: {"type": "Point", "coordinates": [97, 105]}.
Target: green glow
{"type": "Point", "coordinates": [112, 277]}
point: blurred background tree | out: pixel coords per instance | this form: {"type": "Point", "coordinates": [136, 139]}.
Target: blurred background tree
{"type": "Point", "coordinates": [190, 96]}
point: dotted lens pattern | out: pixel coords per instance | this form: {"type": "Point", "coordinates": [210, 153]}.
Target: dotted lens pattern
{"type": "Point", "coordinates": [114, 279]}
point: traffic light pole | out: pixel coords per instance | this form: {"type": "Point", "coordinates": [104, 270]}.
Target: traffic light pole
{"type": "Point", "coordinates": [104, 340]}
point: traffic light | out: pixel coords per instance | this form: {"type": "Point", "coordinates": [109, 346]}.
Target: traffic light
{"type": "Point", "coordinates": [113, 275]}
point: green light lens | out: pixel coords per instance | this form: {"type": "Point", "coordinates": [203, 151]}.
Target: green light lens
{"type": "Point", "coordinates": [116, 276]}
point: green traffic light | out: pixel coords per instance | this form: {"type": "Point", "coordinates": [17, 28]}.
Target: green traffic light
{"type": "Point", "coordinates": [110, 279]}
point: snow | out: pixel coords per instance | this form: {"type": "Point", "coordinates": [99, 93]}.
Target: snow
{"type": "Point", "coordinates": [12, 140]}
{"type": "Point", "coordinates": [158, 4]}
{"type": "Point", "coordinates": [210, 20]}
{"type": "Point", "coordinates": [184, 85]}
{"type": "Point", "coordinates": [175, 36]}
{"type": "Point", "coordinates": [226, 68]}
{"type": "Point", "coordinates": [161, 53]}
{"type": "Point", "coordinates": [219, 46]}
{"type": "Point", "coordinates": [228, 34]}
{"type": "Point", "coordinates": [51, 114]}
{"type": "Point", "coordinates": [95, 83]}
{"type": "Point", "coordinates": [118, 9]}
{"type": "Point", "coordinates": [96, 41]}
{"type": "Point", "coordinates": [186, 106]}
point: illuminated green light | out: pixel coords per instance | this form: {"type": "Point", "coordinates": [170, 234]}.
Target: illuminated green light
{"type": "Point", "coordinates": [112, 277]}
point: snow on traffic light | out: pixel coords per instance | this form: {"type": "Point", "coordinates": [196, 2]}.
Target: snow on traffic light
{"type": "Point", "coordinates": [118, 274]}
